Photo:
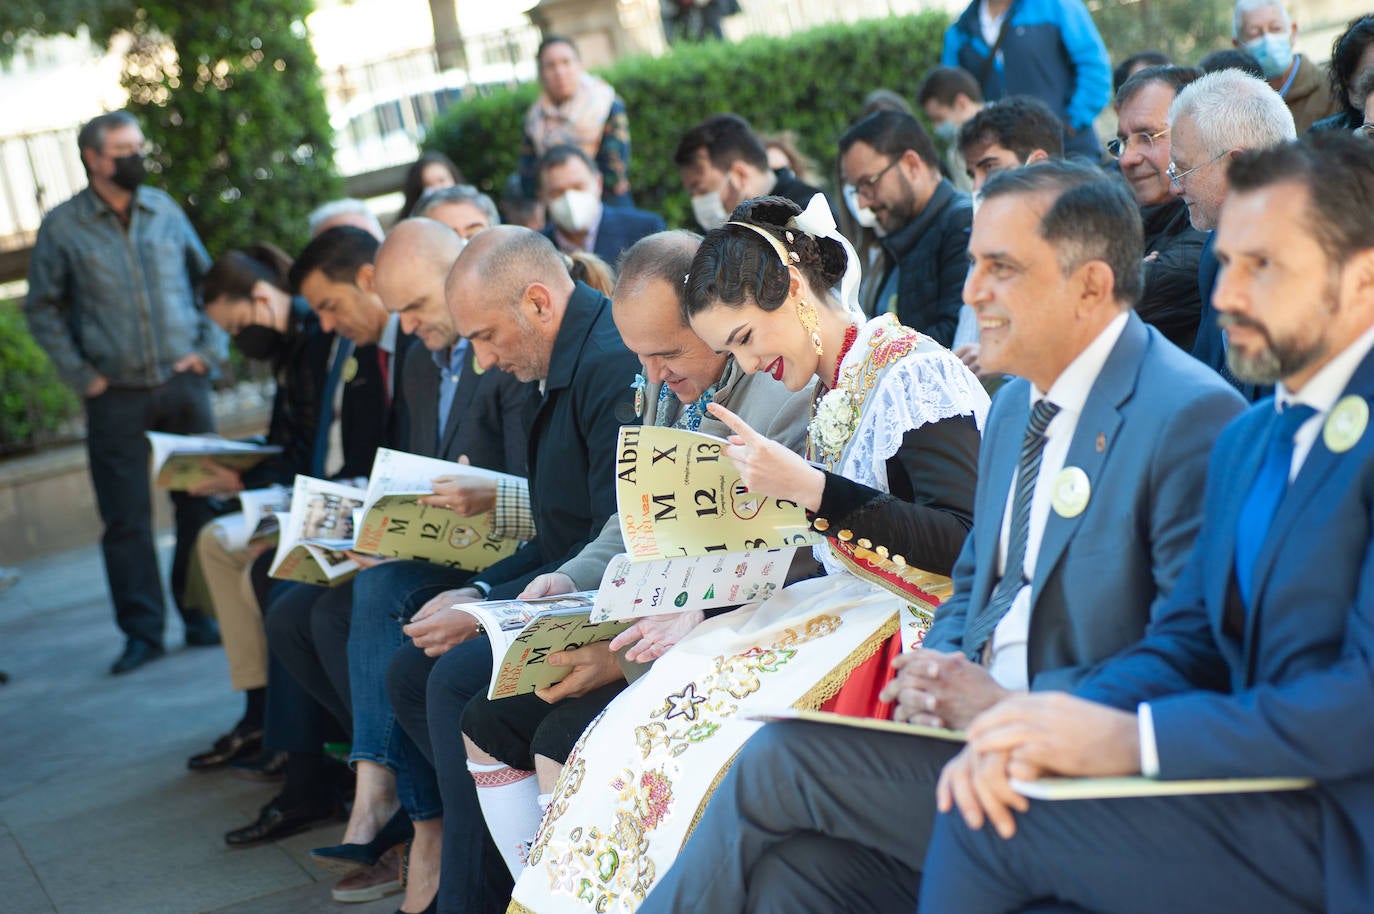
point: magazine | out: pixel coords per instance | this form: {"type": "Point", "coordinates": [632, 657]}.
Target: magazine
{"type": "Point", "coordinates": [316, 532]}
{"type": "Point", "coordinates": [524, 632]}
{"type": "Point", "coordinates": [177, 459]}
{"type": "Point", "coordinates": [677, 495]}
{"type": "Point", "coordinates": [256, 523]}
{"type": "Point", "coordinates": [396, 525]}
{"type": "Point", "coordinates": [631, 590]}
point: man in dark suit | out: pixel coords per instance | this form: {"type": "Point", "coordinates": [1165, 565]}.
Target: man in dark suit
{"type": "Point", "coordinates": [339, 645]}
{"type": "Point", "coordinates": [334, 273]}
{"type": "Point", "coordinates": [1259, 664]}
{"type": "Point", "coordinates": [512, 299]}
{"type": "Point", "coordinates": [570, 187]}
{"type": "Point", "coordinates": [1075, 545]}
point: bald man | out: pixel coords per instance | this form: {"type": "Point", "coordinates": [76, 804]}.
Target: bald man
{"type": "Point", "coordinates": [511, 297]}
{"type": "Point", "coordinates": [339, 647]}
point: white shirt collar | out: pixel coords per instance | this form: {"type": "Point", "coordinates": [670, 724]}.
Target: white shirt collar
{"type": "Point", "coordinates": [1331, 380]}
{"type": "Point", "coordinates": [1070, 390]}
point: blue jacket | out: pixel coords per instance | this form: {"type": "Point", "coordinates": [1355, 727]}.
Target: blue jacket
{"type": "Point", "coordinates": [120, 303]}
{"type": "Point", "coordinates": [1286, 690]}
{"type": "Point", "coordinates": [1052, 51]}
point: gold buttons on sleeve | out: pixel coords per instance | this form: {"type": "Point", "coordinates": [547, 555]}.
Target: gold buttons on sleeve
{"type": "Point", "coordinates": [865, 543]}
{"type": "Point", "coordinates": [821, 524]}
{"type": "Point", "coordinates": [846, 535]}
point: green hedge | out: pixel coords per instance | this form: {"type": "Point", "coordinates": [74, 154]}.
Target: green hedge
{"type": "Point", "coordinates": [34, 403]}
{"type": "Point", "coordinates": [812, 83]}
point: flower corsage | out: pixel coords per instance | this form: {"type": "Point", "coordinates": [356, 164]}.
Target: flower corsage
{"type": "Point", "coordinates": [837, 415]}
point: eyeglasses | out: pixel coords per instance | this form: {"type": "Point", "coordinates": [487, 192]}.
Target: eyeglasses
{"type": "Point", "coordinates": [1365, 130]}
{"type": "Point", "coordinates": [1176, 177]}
{"type": "Point", "coordinates": [1119, 147]}
{"type": "Point", "coordinates": [864, 186]}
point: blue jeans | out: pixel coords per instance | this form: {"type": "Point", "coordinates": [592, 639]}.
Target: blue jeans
{"type": "Point", "coordinates": [384, 599]}
{"type": "Point", "coordinates": [118, 455]}
{"type": "Point", "coordinates": [429, 696]}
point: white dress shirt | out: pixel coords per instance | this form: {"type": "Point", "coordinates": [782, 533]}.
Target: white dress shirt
{"type": "Point", "coordinates": [1321, 393]}
{"type": "Point", "coordinates": [1007, 650]}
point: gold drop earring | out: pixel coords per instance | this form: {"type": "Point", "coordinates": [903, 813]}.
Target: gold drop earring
{"type": "Point", "coordinates": [806, 316]}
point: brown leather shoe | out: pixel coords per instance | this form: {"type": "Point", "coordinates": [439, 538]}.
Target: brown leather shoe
{"type": "Point", "coordinates": [369, 883]}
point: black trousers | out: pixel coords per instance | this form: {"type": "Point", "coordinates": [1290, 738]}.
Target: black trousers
{"type": "Point", "coordinates": [118, 453]}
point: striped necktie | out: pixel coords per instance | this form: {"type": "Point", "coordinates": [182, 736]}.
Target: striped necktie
{"type": "Point", "coordinates": [1013, 578]}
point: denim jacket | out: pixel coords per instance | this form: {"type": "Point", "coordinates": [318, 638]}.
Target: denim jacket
{"type": "Point", "coordinates": [123, 304]}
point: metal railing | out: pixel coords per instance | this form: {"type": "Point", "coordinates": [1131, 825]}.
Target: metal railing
{"type": "Point", "coordinates": [37, 171]}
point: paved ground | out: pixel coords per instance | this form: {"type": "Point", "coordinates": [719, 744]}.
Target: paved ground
{"type": "Point", "coordinates": [98, 814]}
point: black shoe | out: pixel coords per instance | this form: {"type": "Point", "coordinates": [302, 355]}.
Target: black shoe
{"type": "Point", "coordinates": [236, 744]}
{"type": "Point", "coordinates": [265, 766]}
{"type": "Point", "coordinates": [274, 822]}
{"type": "Point", "coordinates": [136, 653]}
{"type": "Point", "coordinates": [342, 859]}
{"type": "Point", "coordinates": [201, 630]}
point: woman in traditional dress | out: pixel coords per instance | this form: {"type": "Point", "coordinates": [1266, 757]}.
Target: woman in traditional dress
{"type": "Point", "coordinates": [896, 429]}
{"type": "Point", "coordinates": [575, 108]}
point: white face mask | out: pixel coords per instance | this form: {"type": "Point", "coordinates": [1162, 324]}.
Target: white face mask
{"type": "Point", "coordinates": [575, 211]}
{"type": "Point", "coordinates": [1274, 51]}
{"type": "Point", "coordinates": [709, 211]}
{"type": "Point", "coordinates": [862, 214]}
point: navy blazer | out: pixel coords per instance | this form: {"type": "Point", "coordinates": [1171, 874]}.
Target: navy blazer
{"type": "Point", "coordinates": [484, 423]}
{"type": "Point", "coordinates": [1209, 347]}
{"type": "Point", "coordinates": [1143, 438]}
{"type": "Point", "coordinates": [572, 430]}
{"type": "Point", "coordinates": [619, 228]}
{"type": "Point", "coordinates": [1293, 695]}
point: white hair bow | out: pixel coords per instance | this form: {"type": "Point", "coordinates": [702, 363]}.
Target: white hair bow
{"type": "Point", "coordinates": [819, 222]}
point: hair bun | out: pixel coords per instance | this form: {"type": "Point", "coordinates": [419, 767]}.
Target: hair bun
{"type": "Point", "coordinates": [768, 212]}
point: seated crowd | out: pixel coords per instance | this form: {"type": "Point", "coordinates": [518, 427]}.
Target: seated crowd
{"type": "Point", "coordinates": [1121, 405]}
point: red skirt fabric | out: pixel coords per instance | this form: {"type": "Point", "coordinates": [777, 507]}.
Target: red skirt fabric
{"type": "Point", "coordinates": [858, 697]}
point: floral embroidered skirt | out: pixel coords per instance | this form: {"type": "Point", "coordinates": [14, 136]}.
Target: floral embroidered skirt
{"type": "Point", "coordinates": [640, 777]}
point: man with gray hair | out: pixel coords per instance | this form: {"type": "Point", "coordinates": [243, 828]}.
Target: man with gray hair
{"type": "Point", "coordinates": [347, 211]}
{"type": "Point", "coordinates": [463, 208]}
{"type": "Point", "coordinates": [114, 299]}
{"type": "Point", "coordinates": [1264, 29]}
{"type": "Point", "coordinates": [1210, 122]}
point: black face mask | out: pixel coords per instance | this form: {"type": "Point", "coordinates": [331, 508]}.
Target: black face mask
{"type": "Point", "coordinates": [261, 342]}
{"type": "Point", "coordinates": [129, 172]}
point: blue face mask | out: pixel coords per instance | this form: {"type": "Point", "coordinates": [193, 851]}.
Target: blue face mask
{"type": "Point", "coordinates": [1274, 51]}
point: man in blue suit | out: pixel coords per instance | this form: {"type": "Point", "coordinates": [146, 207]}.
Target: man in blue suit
{"type": "Point", "coordinates": [570, 188]}
{"type": "Point", "coordinates": [1075, 546]}
{"type": "Point", "coordinates": [1260, 663]}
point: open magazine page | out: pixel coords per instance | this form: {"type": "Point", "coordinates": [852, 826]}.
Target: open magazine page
{"type": "Point", "coordinates": [395, 524]}
{"type": "Point", "coordinates": [176, 459]}
{"type": "Point", "coordinates": [631, 590]}
{"type": "Point", "coordinates": [316, 531]}
{"type": "Point", "coordinates": [256, 522]}
{"type": "Point", "coordinates": [677, 494]}
{"type": "Point", "coordinates": [524, 632]}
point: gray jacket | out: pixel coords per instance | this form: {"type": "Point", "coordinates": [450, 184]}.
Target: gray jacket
{"type": "Point", "coordinates": [123, 304]}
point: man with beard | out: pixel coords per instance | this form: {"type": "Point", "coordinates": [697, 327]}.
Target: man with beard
{"type": "Point", "coordinates": [890, 161]}
{"type": "Point", "coordinates": [1260, 664]}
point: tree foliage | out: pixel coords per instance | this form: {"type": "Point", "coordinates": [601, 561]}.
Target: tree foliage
{"type": "Point", "coordinates": [229, 95]}
{"type": "Point", "coordinates": [812, 83]}
{"type": "Point", "coordinates": [1183, 29]}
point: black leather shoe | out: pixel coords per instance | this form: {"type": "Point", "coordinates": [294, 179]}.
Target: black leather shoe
{"type": "Point", "coordinates": [274, 822]}
{"type": "Point", "coordinates": [136, 653]}
{"type": "Point", "coordinates": [265, 766]}
{"type": "Point", "coordinates": [201, 630]}
{"type": "Point", "coordinates": [233, 745]}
